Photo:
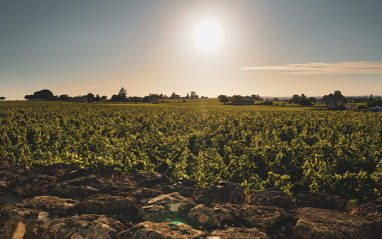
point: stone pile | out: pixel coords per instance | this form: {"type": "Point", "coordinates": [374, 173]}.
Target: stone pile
{"type": "Point", "coordinates": [65, 201]}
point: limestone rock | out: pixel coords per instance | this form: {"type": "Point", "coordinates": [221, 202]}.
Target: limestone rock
{"type": "Point", "coordinates": [272, 197]}
{"type": "Point", "coordinates": [143, 195]}
{"type": "Point", "coordinates": [109, 205]}
{"type": "Point", "coordinates": [164, 230]}
{"type": "Point", "coordinates": [219, 216]}
{"type": "Point", "coordinates": [235, 233]}
{"type": "Point", "coordinates": [37, 185]}
{"type": "Point", "coordinates": [320, 200]}
{"type": "Point", "coordinates": [322, 223]}
{"type": "Point", "coordinates": [371, 210]}
{"type": "Point", "coordinates": [84, 226]}
{"type": "Point", "coordinates": [78, 188]}
{"type": "Point", "coordinates": [164, 207]}
{"type": "Point", "coordinates": [263, 216]}
{"type": "Point", "coordinates": [221, 192]}
{"type": "Point", "coordinates": [150, 180]}
{"type": "Point", "coordinates": [33, 215]}
{"type": "Point", "coordinates": [65, 201]}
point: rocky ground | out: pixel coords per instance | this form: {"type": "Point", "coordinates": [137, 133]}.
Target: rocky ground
{"type": "Point", "coordinates": [65, 201]}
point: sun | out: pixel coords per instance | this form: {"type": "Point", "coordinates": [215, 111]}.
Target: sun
{"type": "Point", "coordinates": [208, 36]}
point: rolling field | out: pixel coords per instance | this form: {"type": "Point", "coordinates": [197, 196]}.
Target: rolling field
{"type": "Point", "coordinates": [293, 148]}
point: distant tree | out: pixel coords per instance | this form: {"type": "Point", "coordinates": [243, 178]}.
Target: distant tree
{"type": "Point", "coordinates": [256, 97]}
{"type": "Point", "coordinates": [304, 100]}
{"type": "Point", "coordinates": [122, 92]}
{"type": "Point", "coordinates": [90, 97]}
{"type": "Point", "coordinates": [268, 102]}
{"type": "Point", "coordinates": [64, 97]}
{"type": "Point", "coordinates": [361, 106]}
{"type": "Point", "coordinates": [332, 100]}
{"type": "Point", "coordinates": [188, 96]}
{"type": "Point", "coordinates": [296, 99]}
{"type": "Point", "coordinates": [236, 99]}
{"type": "Point", "coordinates": [276, 99]}
{"type": "Point", "coordinates": [341, 105]}
{"type": "Point", "coordinates": [374, 103]}
{"type": "Point", "coordinates": [97, 98]}
{"type": "Point", "coordinates": [194, 95]}
{"type": "Point", "coordinates": [312, 99]}
{"type": "Point", "coordinates": [42, 94]}
{"type": "Point", "coordinates": [2, 98]}
{"type": "Point", "coordinates": [338, 95]}
{"type": "Point", "coordinates": [223, 99]}
{"type": "Point", "coordinates": [104, 97]}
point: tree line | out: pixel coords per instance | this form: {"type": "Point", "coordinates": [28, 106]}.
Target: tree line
{"type": "Point", "coordinates": [48, 95]}
{"type": "Point", "coordinates": [120, 97]}
{"type": "Point", "coordinates": [333, 99]}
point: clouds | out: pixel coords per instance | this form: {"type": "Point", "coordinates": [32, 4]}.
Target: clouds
{"type": "Point", "coordinates": [340, 68]}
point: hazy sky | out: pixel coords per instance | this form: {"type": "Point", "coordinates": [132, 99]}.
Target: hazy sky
{"type": "Point", "coordinates": [270, 47]}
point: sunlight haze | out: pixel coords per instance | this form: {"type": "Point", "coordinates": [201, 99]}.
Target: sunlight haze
{"type": "Point", "coordinates": [212, 47]}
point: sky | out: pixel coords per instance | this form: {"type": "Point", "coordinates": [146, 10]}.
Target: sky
{"type": "Point", "coordinates": [272, 48]}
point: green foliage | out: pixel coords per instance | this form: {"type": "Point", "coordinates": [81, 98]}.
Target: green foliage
{"type": "Point", "coordinates": [374, 102]}
{"type": "Point", "coordinates": [361, 106]}
{"type": "Point", "coordinates": [257, 146]}
{"type": "Point", "coordinates": [223, 99]}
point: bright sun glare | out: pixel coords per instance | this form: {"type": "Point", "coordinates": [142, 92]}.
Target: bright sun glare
{"type": "Point", "coordinates": [208, 36]}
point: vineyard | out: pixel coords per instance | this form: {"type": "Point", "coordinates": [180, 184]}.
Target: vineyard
{"type": "Point", "coordinates": [292, 148]}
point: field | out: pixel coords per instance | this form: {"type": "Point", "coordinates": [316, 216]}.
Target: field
{"type": "Point", "coordinates": [293, 148]}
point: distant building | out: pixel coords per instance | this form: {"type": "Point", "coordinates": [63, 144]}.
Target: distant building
{"type": "Point", "coordinates": [174, 96]}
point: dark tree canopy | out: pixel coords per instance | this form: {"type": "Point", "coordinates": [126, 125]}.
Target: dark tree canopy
{"type": "Point", "coordinates": [223, 99]}
{"type": "Point", "coordinates": [118, 98]}
{"type": "Point", "coordinates": [236, 99]}
{"type": "Point", "coordinates": [334, 99]}
{"type": "Point", "coordinates": [122, 92]}
{"type": "Point", "coordinates": [302, 100]}
{"type": "Point", "coordinates": [374, 103]}
{"type": "Point", "coordinates": [90, 97]}
{"type": "Point", "coordinates": [42, 94]}
{"type": "Point", "coordinates": [64, 97]}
